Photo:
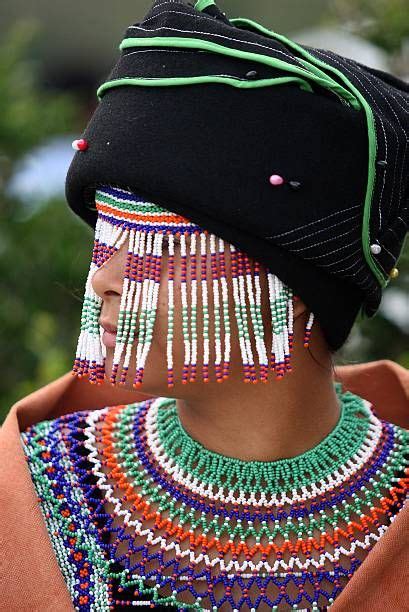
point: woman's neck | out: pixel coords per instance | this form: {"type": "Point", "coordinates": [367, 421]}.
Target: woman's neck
{"type": "Point", "coordinates": [266, 422]}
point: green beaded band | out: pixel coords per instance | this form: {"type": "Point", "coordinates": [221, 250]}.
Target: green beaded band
{"type": "Point", "coordinates": [269, 477]}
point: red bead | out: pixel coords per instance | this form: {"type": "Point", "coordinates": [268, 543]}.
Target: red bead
{"type": "Point", "coordinates": [80, 145]}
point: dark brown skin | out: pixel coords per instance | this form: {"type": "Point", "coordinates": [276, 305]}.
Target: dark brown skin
{"type": "Point", "coordinates": [264, 421]}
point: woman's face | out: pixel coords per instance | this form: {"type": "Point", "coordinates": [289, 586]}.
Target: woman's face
{"type": "Point", "coordinates": [107, 283]}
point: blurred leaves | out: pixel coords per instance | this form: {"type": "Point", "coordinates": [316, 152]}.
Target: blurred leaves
{"type": "Point", "coordinates": [42, 274]}
{"type": "Point", "coordinates": [383, 22]}
{"type": "Point", "coordinates": [44, 256]}
{"type": "Point", "coordinates": [28, 113]}
{"type": "Point", "coordinates": [386, 24]}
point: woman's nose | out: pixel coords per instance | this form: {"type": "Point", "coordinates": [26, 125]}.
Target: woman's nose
{"type": "Point", "coordinates": [108, 279]}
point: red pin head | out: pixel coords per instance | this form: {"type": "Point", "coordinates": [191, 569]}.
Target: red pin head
{"type": "Point", "coordinates": [80, 145]}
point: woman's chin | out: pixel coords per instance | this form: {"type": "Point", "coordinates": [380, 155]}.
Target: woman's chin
{"type": "Point", "coordinates": [154, 379]}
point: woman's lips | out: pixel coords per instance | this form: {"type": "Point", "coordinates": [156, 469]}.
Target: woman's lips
{"type": "Point", "coordinates": [109, 339]}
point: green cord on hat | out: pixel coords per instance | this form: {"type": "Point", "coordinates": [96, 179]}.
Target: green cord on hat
{"type": "Point", "coordinates": [202, 4]}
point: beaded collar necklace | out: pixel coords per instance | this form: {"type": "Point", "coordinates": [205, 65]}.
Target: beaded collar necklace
{"type": "Point", "coordinates": [172, 446]}
{"type": "Point", "coordinates": [147, 514]}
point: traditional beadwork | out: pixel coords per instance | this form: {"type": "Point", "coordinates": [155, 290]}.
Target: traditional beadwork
{"type": "Point", "coordinates": [139, 513]}
{"type": "Point", "coordinates": [307, 333]}
{"type": "Point", "coordinates": [150, 229]}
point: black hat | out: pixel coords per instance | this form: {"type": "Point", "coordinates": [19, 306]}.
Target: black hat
{"type": "Point", "coordinates": [296, 155]}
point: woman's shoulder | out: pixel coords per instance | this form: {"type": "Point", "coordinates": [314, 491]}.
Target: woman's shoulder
{"type": "Point", "coordinates": [384, 383]}
{"type": "Point", "coordinates": [66, 426]}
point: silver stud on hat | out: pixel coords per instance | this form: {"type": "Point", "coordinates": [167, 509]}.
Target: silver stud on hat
{"type": "Point", "coordinates": [376, 249]}
{"type": "Point", "coordinates": [294, 184]}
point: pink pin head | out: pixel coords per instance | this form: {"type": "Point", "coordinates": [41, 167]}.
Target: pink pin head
{"type": "Point", "coordinates": [80, 145]}
{"type": "Point", "coordinates": [276, 179]}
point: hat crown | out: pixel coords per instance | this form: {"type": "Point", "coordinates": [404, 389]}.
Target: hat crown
{"type": "Point", "coordinates": [201, 111]}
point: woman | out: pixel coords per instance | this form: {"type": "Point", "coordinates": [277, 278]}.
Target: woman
{"type": "Point", "coordinates": [211, 491]}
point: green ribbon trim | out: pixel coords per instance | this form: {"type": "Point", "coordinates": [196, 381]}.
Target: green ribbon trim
{"type": "Point", "coordinates": [372, 263]}
{"type": "Point", "coordinates": [202, 4]}
{"type": "Point", "coordinates": [241, 84]}
{"type": "Point", "coordinates": [312, 71]}
{"type": "Point", "coordinates": [196, 43]}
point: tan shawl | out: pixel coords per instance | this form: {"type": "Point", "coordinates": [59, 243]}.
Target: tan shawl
{"type": "Point", "coordinates": [30, 578]}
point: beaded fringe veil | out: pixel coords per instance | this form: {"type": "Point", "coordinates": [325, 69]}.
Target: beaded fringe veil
{"type": "Point", "coordinates": [150, 229]}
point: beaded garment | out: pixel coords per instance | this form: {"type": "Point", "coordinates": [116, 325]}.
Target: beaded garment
{"type": "Point", "coordinates": [140, 514]}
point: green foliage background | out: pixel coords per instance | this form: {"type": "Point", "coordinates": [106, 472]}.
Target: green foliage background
{"type": "Point", "coordinates": [44, 258]}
